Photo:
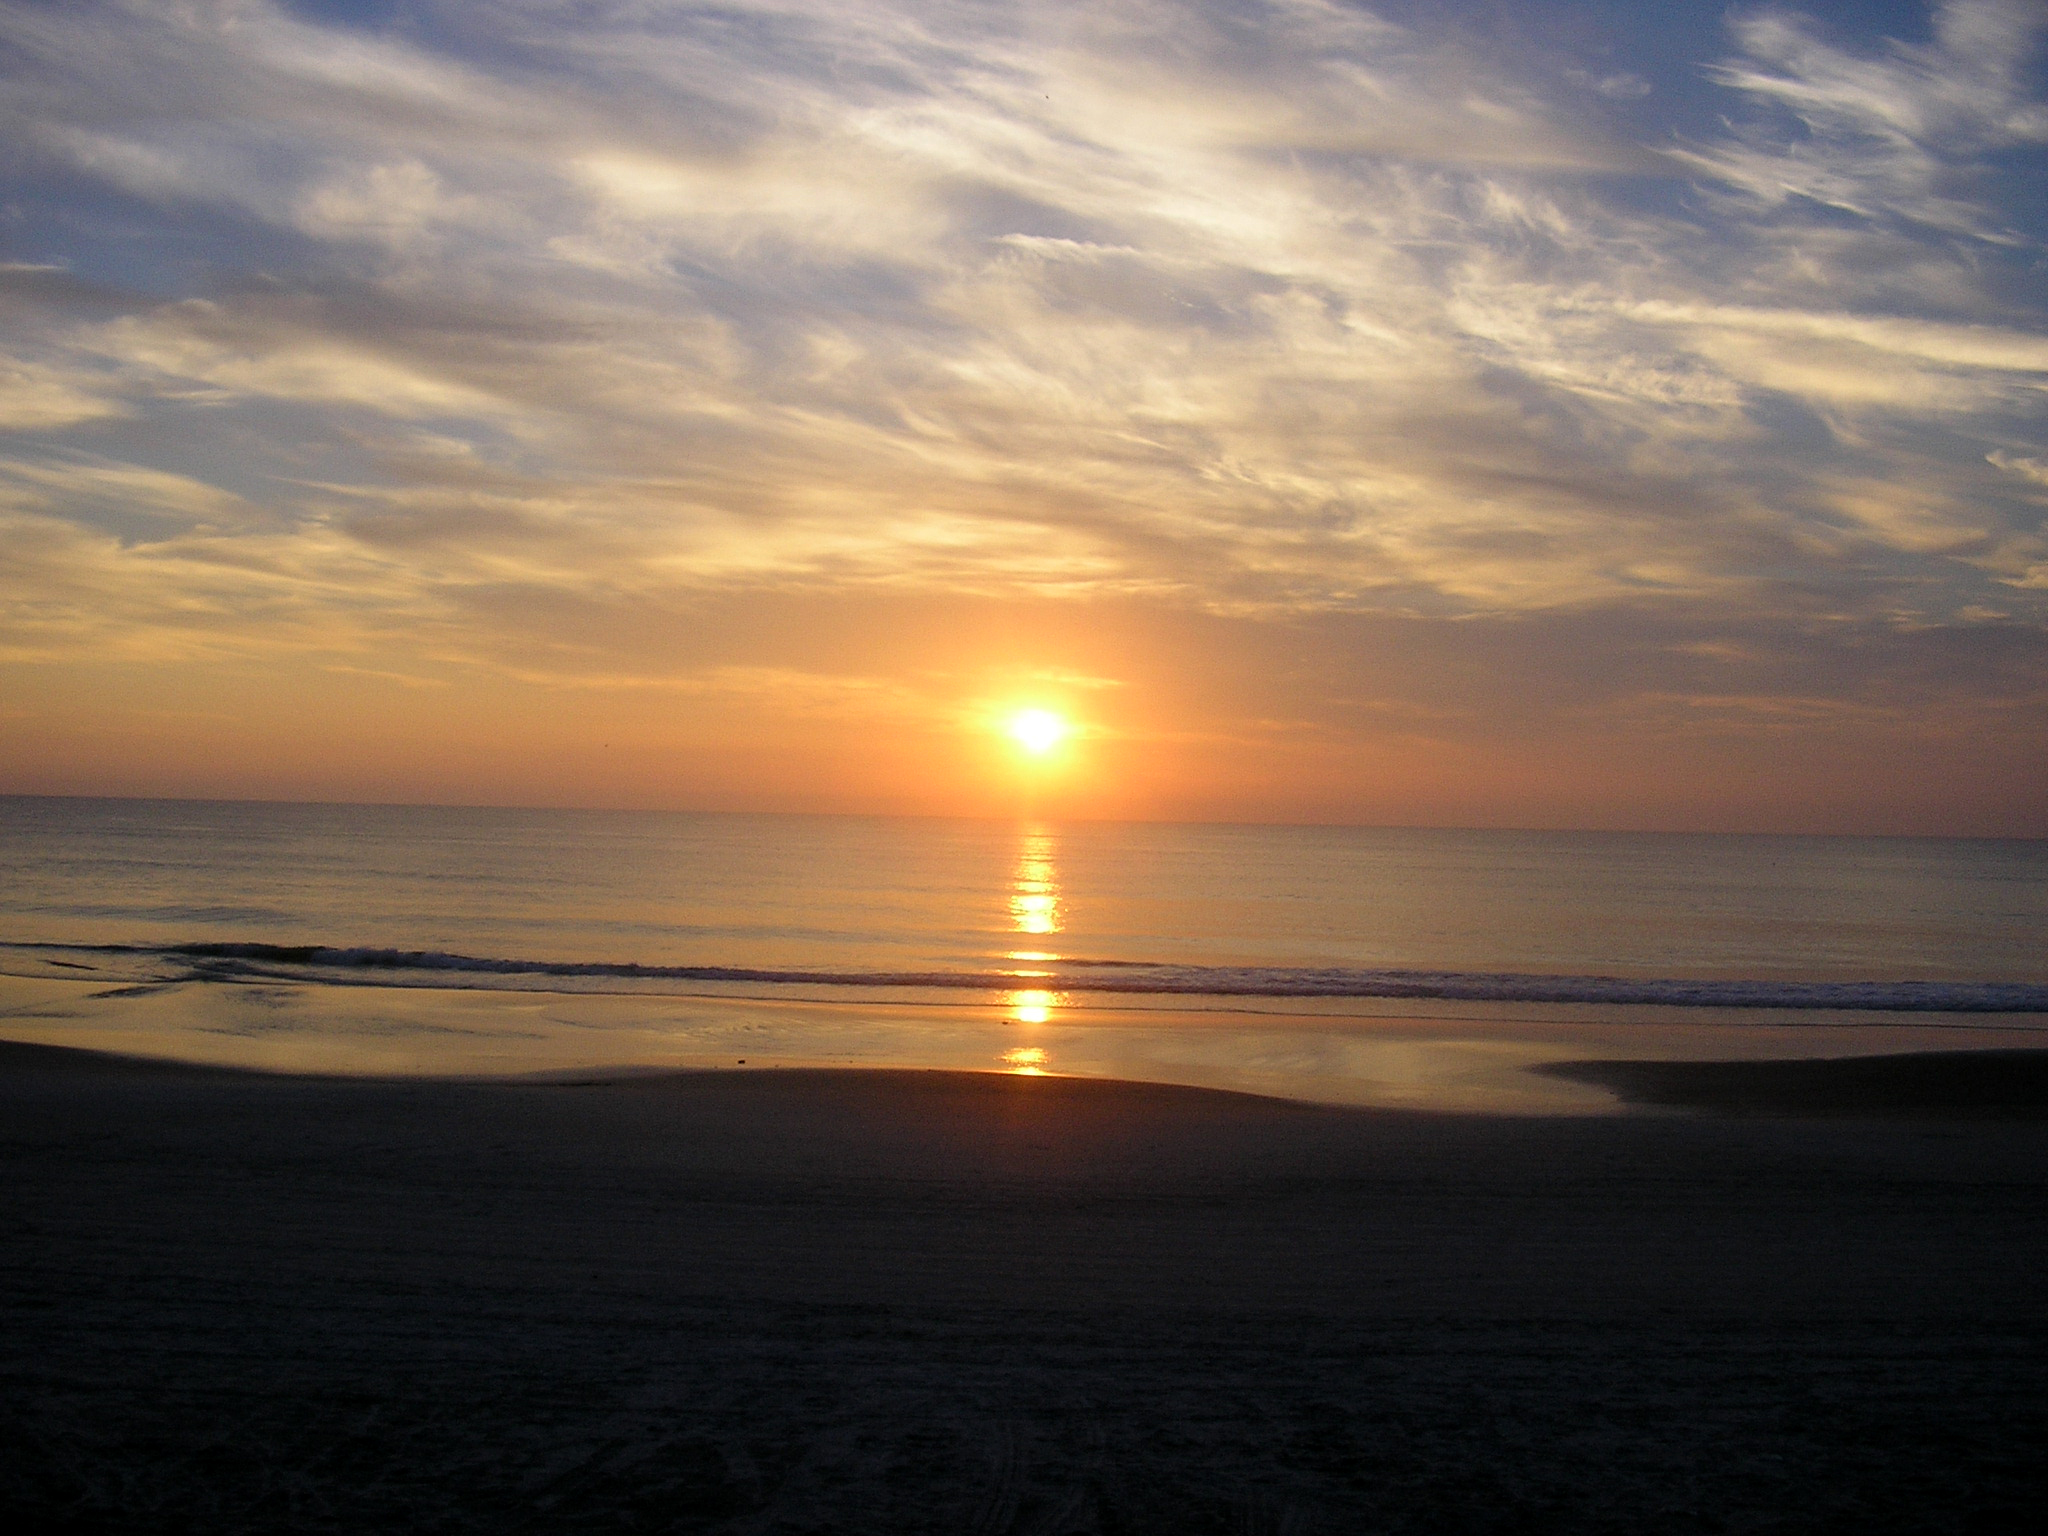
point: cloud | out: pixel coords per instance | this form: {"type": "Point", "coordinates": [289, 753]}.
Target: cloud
{"type": "Point", "coordinates": [35, 398]}
{"type": "Point", "coordinates": [252, 351]}
{"type": "Point", "coordinates": [1890, 131]}
{"type": "Point", "coordinates": [131, 489]}
{"type": "Point", "coordinates": [1260, 310]}
{"type": "Point", "coordinates": [2035, 470]}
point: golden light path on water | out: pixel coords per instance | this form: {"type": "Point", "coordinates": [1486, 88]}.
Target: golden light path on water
{"type": "Point", "coordinates": [1035, 910]}
{"type": "Point", "coordinates": [1039, 898]}
{"type": "Point", "coordinates": [1034, 887]}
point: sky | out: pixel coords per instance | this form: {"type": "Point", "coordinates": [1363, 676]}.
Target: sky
{"type": "Point", "coordinates": [1510, 413]}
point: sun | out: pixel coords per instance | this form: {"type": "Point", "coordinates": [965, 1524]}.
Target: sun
{"type": "Point", "coordinates": [1037, 731]}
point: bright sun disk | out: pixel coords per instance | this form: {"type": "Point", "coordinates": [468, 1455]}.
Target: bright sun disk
{"type": "Point", "coordinates": [1037, 731]}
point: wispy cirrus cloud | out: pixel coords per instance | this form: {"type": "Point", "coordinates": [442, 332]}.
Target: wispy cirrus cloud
{"type": "Point", "coordinates": [1896, 131]}
{"type": "Point", "coordinates": [1268, 309]}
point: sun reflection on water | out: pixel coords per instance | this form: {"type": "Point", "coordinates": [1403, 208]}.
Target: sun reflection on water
{"type": "Point", "coordinates": [1034, 909]}
{"type": "Point", "coordinates": [1035, 913]}
{"type": "Point", "coordinates": [1026, 1060]}
{"type": "Point", "coordinates": [1033, 1007]}
{"type": "Point", "coordinates": [1034, 887]}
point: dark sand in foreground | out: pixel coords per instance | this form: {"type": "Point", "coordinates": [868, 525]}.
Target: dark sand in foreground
{"type": "Point", "coordinates": [1926, 1084]}
{"type": "Point", "coordinates": [933, 1302]}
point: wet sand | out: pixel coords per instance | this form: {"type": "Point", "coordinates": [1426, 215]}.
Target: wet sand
{"type": "Point", "coordinates": [953, 1302]}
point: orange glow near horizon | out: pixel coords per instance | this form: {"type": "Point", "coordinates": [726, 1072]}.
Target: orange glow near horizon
{"type": "Point", "coordinates": [1142, 481]}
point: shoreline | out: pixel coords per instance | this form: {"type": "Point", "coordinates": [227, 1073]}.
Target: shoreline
{"type": "Point", "coordinates": [1469, 1060]}
{"type": "Point", "coordinates": [1993, 1082]}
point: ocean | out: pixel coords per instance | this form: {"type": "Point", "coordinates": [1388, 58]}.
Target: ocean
{"type": "Point", "coordinates": [1425, 968]}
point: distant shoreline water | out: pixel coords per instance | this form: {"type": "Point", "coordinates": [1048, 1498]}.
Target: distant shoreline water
{"type": "Point", "coordinates": [1357, 965]}
{"type": "Point", "coordinates": [1734, 920]}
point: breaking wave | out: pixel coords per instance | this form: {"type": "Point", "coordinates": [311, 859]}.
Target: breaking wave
{"type": "Point", "coordinates": [227, 961]}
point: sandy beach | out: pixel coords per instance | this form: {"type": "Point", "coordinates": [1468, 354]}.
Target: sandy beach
{"type": "Point", "coordinates": [952, 1302]}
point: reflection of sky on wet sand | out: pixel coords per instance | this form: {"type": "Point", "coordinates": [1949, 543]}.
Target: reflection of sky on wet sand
{"type": "Point", "coordinates": [1433, 1057]}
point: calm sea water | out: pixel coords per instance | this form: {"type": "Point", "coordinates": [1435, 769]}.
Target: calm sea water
{"type": "Point", "coordinates": [843, 924]}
